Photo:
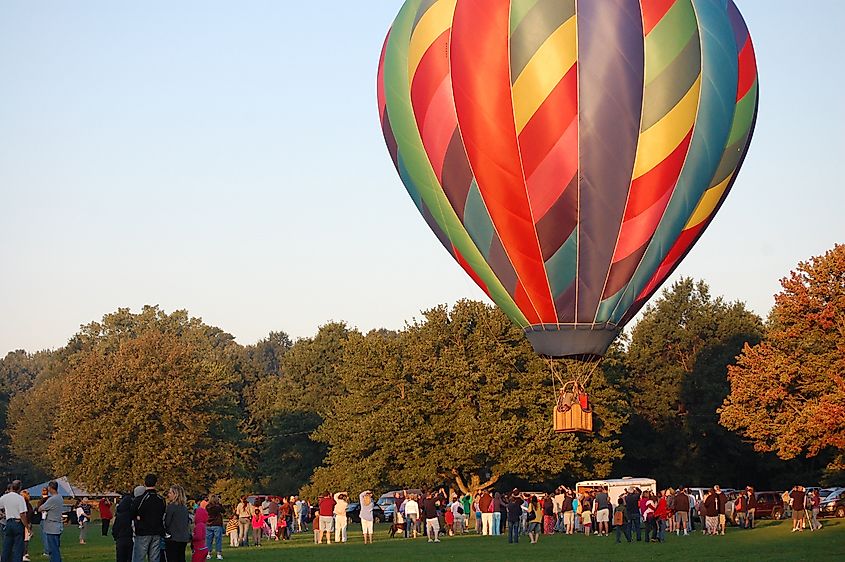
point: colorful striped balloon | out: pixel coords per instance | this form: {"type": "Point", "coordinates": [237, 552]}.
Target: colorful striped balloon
{"type": "Point", "coordinates": [568, 153]}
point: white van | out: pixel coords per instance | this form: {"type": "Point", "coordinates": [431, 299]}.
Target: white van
{"type": "Point", "coordinates": [617, 486]}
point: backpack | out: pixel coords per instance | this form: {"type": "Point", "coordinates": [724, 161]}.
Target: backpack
{"type": "Point", "coordinates": [619, 517]}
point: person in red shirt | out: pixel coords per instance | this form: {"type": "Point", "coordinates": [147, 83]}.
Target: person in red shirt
{"type": "Point", "coordinates": [105, 514]}
{"type": "Point", "coordinates": [327, 504]}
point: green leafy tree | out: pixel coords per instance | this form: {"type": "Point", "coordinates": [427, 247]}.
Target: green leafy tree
{"type": "Point", "coordinates": [149, 392]}
{"type": "Point", "coordinates": [675, 376]}
{"type": "Point", "coordinates": [23, 413]}
{"type": "Point", "coordinates": [291, 401]}
{"type": "Point", "coordinates": [459, 397]}
{"type": "Point", "coordinates": [787, 393]}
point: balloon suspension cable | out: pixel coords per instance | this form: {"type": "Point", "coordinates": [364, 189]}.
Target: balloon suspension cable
{"type": "Point", "coordinates": [573, 377]}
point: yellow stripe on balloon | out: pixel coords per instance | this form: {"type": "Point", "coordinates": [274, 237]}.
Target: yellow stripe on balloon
{"type": "Point", "coordinates": [544, 71]}
{"type": "Point", "coordinates": [436, 20]}
{"type": "Point", "coordinates": [663, 137]}
{"type": "Point", "coordinates": [708, 202]}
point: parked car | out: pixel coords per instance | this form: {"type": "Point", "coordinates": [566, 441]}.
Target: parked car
{"type": "Point", "coordinates": [769, 504]}
{"type": "Point", "coordinates": [833, 503]}
{"type": "Point", "coordinates": [353, 513]}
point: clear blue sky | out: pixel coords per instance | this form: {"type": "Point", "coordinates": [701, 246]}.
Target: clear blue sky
{"type": "Point", "coordinates": [226, 158]}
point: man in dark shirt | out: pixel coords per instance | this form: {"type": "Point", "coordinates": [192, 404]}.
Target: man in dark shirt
{"type": "Point", "coordinates": [514, 514]}
{"type": "Point", "coordinates": [632, 509]}
{"type": "Point", "coordinates": [752, 508]}
{"type": "Point", "coordinates": [721, 504]}
{"type": "Point", "coordinates": [429, 511]}
{"type": "Point", "coordinates": [568, 512]}
{"type": "Point", "coordinates": [681, 507]}
{"type": "Point", "coordinates": [148, 518]}
{"type": "Point", "coordinates": [798, 496]}
{"type": "Point", "coordinates": [326, 514]}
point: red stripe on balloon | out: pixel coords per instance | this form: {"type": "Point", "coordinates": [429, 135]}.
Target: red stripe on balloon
{"type": "Point", "coordinates": [747, 69]}
{"type": "Point", "coordinates": [521, 299]}
{"type": "Point", "coordinates": [550, 179]}
{"type": "Point", "coordinates": [482, 85]}
{"type": "Point", "coordinates": [653, 12]}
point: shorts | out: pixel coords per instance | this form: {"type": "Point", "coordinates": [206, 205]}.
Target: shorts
{"type": "Point", "coordinates": [586, 518]}
{"type": "Point", "coordinates": [568, 517]}
{"type": "Point", "coordinates": [367, 526]}
{"type": "Point", "coordinates": [326, 523]}
{"type": "Point", "coordinates": [534, 527]}
{"type": "Point", "coordinates": [432, 524]}
{"type": "Point", "coordinates": [603, 516]}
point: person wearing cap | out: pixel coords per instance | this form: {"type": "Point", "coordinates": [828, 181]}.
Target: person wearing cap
{"type": "Point", "coordinates": [51, 521]}
{"type": "Point", "coordinates": [16, 520]}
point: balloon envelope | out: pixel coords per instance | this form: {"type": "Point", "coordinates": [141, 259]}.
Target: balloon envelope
{"type": "Point", "coordinates": [568, 153]}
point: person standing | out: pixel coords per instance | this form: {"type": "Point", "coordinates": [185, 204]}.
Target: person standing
{"type": "Point", "coordinates": [412, 515]}
{"type": "Point", "coordinates": [620, 521]}
{"type": "Point", "coordinates": [82, 519]}
{"type": "Point", "coordinates": [603, 511]}
{"type": "Point", "coordinates": [104, 507]}
{"type": "Point", "coordinates": [485, 503]}
{"type": "Point", "coordinates": [741, 508]}
{"type": "Point", "coordinates": [16, 521]}
{"type": "Point", "coordinates": [632, 509]}
{"type": "Point", "coordinates": [682, 511]}
{"type": "Point", "coordinates": [514, 515]}
{"type": "Point", "coordinates": [122, 529]}
{"type": "Point", "coordinates": [366, 514]}
{"type": "Point", "coordinates": [752, 507]}
{"type": "Point", "coordinates": [244, 513]}
{"type": "Point", "coordinates": [214, 526]}
{"type": "Point", "coordinates": [721, 504]}
{"type": "Point", "coordinates": [273, 516]}
{"type": "Point", "coordinates": [257, 522]}
{"type": "Point", "coordinates": [199, 538]}
{"type": "Point", "coordinates": [27, 530]}
{"type": "Point", "coordinates": [51, 521]}
{"type": "Point", "coordinates": [429, 512]}
{"type": "Point", "coordinates": [798, 497]}
{"type": "Point", "coordinates": [815, 505]}
{"type": "Point", "coordinates": [326, 517]}
{"type": "Point", "coordinates": [710, 510]}
{"type": "Point", "coordinates": [148, 518]}
{"type": "Point", "coordinates": [340, 520]}
{"type": "Point", "coordinates": [177, 525]}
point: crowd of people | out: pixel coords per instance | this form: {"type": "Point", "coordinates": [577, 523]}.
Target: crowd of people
{"type": "Point", "coordinates": [148, 527]}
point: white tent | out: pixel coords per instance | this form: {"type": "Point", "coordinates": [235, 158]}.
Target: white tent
{"type": "Point", "coordinates": [68, 490]}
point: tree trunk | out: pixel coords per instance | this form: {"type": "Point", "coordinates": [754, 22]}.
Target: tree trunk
{"type": "Point", "coordinates": [474, 483]}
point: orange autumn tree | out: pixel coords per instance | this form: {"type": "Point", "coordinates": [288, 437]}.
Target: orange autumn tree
{"type": "Point", "coordinates": [788, 392]}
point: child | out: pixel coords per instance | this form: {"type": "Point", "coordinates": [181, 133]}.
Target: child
{"type": "Point", "coordinates": [620, 521]}
{"type": "Point", "coordinates": [450, 522]}
{"type": "Point", "coordinates": [586, 521]}
{"type": "Point", "coordinates": [198, 542]}
{"type": "Point", "coordinates": [232, 530]}
{"type": "Point", "coordinates": [257, 526]}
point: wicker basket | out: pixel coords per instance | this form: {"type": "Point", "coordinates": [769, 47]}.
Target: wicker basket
{"type": "Point", "coordinates": [573, 419]}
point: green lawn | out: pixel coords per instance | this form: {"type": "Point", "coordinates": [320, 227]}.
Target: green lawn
{"type": "Point", "coordinates": [770, 541]}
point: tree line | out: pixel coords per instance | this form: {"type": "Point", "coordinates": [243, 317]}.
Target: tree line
{"type": "Point", "coordinates": [700, 390]}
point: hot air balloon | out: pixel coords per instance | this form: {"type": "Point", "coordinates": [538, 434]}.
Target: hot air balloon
{"type": "Point", "coordinates": [568, 153]}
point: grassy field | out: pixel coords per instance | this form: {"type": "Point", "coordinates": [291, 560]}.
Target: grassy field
{"type": "Point", "coordinates": [770, 541]}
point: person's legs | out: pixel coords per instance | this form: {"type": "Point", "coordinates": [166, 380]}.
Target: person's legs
{"type": "Point", "coordinates": [513, 532]}
{"type": "Point", "coordinates": [815, 523]}
{"type": "Point", "coordinates": [140, 548]}
{"type": "Point", "coordinates": [154, 551]}
{"type": "Point", "coordinates": [497, 523]}
{"type": "Point", "coordinates": [53, 546]}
